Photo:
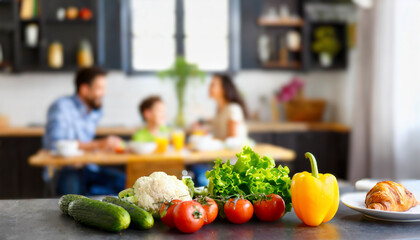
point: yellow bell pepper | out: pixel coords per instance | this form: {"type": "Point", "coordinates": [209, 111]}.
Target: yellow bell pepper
{"type": "Point", "coordinates": [315, 197]}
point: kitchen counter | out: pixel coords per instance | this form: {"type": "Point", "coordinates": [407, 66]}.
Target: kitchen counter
{"type": "Point", "coordinates": [41, 219]}
{"type": "Point", "coordinates": [254, 127]}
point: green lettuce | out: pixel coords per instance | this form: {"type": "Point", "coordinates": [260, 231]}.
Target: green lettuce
{"type": "Point", "coordinates": [251, 175]}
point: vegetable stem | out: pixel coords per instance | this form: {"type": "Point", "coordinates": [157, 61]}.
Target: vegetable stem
{"type": "Point", "coordinates": [314, 166]}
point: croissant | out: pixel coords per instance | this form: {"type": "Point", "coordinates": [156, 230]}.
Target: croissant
{"type": "Point", "coordinates": [390, 196]}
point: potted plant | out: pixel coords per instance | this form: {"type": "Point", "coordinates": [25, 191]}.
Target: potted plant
{"type": "Point", "coordinates": [181, 73]}
{"type": "Point", "coordinates": [326, 45]}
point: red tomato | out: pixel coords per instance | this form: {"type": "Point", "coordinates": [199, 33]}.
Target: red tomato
{"type": "Point", "coordinates": [270, 208]}
{"type": "Point", "coordinates": [189, 216]}
{"type": "Point", "coordinates": [239, 210]}
{"type": "Point", "coordinates": [166, 212]}
{"type": "Point", "coordinates": [211, 208]}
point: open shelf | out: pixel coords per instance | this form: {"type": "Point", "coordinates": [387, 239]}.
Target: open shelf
{"type": "Point", "coordinates": [298, 50]}
{"type": "Point", "coordinates": [68, 32]}
{"type": "Point", "coordinates": [258, 20]}
{"type": "Point", "coordinates": [280, 22]}
{"type": "Point", "coordinates": [71, 22]}
{"type": "Point", "coordinates": [33, 20]}
{"type": "Point", "coordinates": [278, 65]}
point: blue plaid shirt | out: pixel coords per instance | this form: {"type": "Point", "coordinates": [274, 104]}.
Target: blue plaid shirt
{"type": "Point", "coordinates": [69, 119]}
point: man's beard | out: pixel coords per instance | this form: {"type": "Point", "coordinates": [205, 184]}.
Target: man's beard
{"type": "Point", "coordinates": [93, 105]}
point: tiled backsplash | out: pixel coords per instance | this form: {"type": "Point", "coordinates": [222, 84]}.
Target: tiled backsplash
{"type": "Point", "coordinates": [26, 97]}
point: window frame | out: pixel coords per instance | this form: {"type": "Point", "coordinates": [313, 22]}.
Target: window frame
{"type": "Point", "coordinates": [233, 37]}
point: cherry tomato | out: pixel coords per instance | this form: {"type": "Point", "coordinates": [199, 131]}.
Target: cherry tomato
{"type": "Point", "coordinates": [166, 212]}
{"type": "Point", "coordinates": [211, 208]}
{"type": "Point", "coordinates": [189, 216]}
{"type": "Point", "coordinates": [269, 208]}
{"type": "Point", "coordinates": [238, 210]}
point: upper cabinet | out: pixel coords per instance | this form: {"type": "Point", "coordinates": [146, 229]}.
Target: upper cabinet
{"type": "Point", "coordinates": [146, 35]}
{"type": "Point", "coordinates": [295, 35]}
{"type": "Point", "coordinates": [49, 35]}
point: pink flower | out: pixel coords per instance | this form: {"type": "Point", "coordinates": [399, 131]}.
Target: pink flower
{"type": "Point", "coordinates": [290, 90]}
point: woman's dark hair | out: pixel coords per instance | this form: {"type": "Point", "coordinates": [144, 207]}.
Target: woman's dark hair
{"type": "Point", "coordinates": [87, 75]}
{"type": "Point", "coordinates": [232, 94]}
{"type": "Point", "coordinates": [147, 104]}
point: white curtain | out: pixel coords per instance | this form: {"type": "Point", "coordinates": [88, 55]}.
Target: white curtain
{"type": "Point", "coordinates": [386, 131]}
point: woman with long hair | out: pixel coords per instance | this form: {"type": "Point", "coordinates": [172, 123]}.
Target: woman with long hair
{"type": "Point", "coordinates": [231, 110]}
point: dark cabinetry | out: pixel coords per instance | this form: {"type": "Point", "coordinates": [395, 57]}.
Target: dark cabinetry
{"type": "Point", "coordinates": [9, 167]}
{"type": "Point", "coordinates": [17, 178]}
{"type": "Point", "coordinates": [329, 148]}
{"type": "Point", "coordinates": [20, 180]}
{"type": "Point", "coordinates": [253, 27]}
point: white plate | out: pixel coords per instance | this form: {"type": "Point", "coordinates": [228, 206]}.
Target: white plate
{"type": "Point", "coordinates": [356, 201]}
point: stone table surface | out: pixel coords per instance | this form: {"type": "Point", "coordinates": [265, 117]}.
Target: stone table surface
{"type": "Point", "coordinates": [42, 219]}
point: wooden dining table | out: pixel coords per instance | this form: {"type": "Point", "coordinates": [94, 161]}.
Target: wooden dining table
{"type": "Point", "coordinates": [138, 165]}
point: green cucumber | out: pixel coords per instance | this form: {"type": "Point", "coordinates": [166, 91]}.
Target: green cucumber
{"type": "Point", "coordinates": [65, 200]}
{"type": "Point", "coordinates": [140, 218]}
{"type": "Point", "coordinates": [102, 215]}
{"type": "Point", "coordinates": [128, 195]}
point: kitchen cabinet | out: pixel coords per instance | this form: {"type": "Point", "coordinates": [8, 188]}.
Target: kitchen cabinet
{"type": "Point", "coordinates": [31, 183]}
{"type": "Point", "coordinates": [330, 149]}
{"type": "Point", "coordinates": [9, 166]}
{"type": "Point", "coordinates": [17, 178]}
{"type": "Point", "coordinates": [68, 32]}
{"type": "Point", "coordinates": [253, 26]}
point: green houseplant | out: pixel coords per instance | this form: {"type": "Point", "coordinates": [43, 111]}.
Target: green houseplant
{"type": "Point", "coordinates": [326, 45]}
{"type": "Point", "coordinates": [181, 73]}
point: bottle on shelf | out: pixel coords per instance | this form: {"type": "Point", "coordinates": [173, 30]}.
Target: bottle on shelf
{"type": "Point", "coordinates": [283, 54]}
{"type": "Point", "coordinates": [84, 54]}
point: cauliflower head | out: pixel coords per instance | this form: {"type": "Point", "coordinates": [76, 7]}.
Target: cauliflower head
{"type": "Point", "coordinates": [157, 188]}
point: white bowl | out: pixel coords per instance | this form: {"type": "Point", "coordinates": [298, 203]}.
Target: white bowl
{"type": "Point", "coordinates": [142, 147]}
{"type": "Point", "coordinates": [209, 145]}
{"type": "Point", "coordinates": [67, 148]}
{"type": "Point", "coordinates": [235, 143]}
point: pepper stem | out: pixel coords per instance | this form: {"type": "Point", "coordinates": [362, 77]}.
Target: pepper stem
{"type": "Point", "coordinates": [314, 165]}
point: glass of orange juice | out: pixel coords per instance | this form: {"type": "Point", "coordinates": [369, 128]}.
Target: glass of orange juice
{"type": "Point", "coordinates": [162, 142]}
{"type": "Point", "coordinates": [178, 139]}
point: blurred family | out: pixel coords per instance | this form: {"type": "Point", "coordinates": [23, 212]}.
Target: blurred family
{"type": "Point", "coordinates": [231, 111]}
{"type": "Point", "coordinates": [76, 118]}
{"type": "Point", "coordinates": [153, 112]}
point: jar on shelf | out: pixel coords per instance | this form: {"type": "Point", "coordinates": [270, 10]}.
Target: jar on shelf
{"type": "Point", "coordinates": [55, 55]}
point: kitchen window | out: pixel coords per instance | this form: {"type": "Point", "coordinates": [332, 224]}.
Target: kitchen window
{"type": "Point", "coordinates": [160, 30]}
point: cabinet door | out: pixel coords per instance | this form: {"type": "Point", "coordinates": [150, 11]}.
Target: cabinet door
{"type": "Point", "coordinates": [286, 140]}
{"type": "Point", "coordinates": [262, 137]}
{"type": "Point", "coordinates": [341, 154]}
{"type": "Point", "coordinates": [9, 168]}
{"type": "Point", "coordinates": [316, 143]}
{"type": "Point", "coordinates": [31, 184]}
{"type": "Point", "coordinates": [250, 10]}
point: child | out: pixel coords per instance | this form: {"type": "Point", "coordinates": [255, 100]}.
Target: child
{"type": "Point", "coordinates": [152, 110]}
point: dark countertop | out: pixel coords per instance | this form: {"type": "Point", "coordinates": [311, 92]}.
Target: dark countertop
{"type": "Point", "coordinates": [42, 219]}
